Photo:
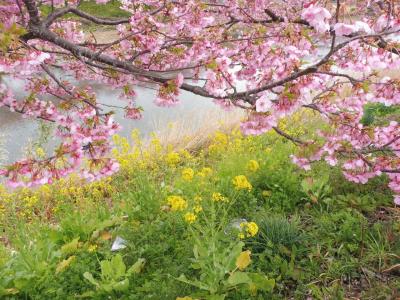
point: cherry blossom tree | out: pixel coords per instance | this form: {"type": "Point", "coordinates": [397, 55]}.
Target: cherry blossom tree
{"type": "Point", "coordinates": [290, 55]}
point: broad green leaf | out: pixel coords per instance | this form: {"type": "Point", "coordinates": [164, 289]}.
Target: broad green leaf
{"type": "Point", "coordinates": [137, 267]}
{"type": "Point", "coordinates": [196, 252]}
{"type": "Point", "coordinates": [238, 278]}
{"type": "Point", "coordinates": [106, 270]}
{"type": "Point", "coordinates": [89, 277]}
{"type": "Point", "coordinates": [198, 284]}
{"type": "Point", "coordinates": [262, 282]}
{"type": "Point", "coordinates": [118, 266]}
{"type": "Point", "coordinates": [121, 285]}
{"type": "Point", "coordinates": [231, 264]}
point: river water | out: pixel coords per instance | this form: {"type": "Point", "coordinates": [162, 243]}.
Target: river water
{"type": "Point", "coordinates": [18, 132]}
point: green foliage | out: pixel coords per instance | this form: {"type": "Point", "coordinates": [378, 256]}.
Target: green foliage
{"type": "Point", "coordinates": [276, 231]}
{"type": "Point", "coordinates": [9, 36]}
{"type": "Point", "coordinates": [109, 10]}
{"type": "Point", "coordinates": [318, 236]}
{"type": "Point", "coordinates": [114, 277]}
{"type": "Point", "coordinates": [220, 270]}
{"type": "Point", "coordinates": [376, 113]}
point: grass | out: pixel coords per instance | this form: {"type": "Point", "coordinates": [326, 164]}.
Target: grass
{"type": "Point", "coordinates": [109, 10]}
{"type": "Point", "coordinates": [318, 235]}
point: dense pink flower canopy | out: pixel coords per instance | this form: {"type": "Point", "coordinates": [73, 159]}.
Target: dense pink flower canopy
{"type": "Point", "coordinates": [287, 55]}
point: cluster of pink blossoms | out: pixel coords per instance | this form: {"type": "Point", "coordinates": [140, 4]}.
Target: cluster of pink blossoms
{"type": "Point", "coordinates": [268, 57]}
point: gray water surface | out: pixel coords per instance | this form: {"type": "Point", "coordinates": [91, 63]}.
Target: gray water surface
{"type": "Point", "coordinates": [19, 132]}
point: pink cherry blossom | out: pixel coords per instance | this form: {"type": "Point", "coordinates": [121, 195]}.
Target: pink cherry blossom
{"type": "Point", "coordinates": [263, 104]}
{"type": "Point", "coordinates": [318, 17]}
{"type": "Point", "coordinates": [270, 58]}
{"type": "Point", "coordinates": [344, 29]}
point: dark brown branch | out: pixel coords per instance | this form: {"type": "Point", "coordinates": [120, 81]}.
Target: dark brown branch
{"type": "Point", "coordinates": [311, 69]}
{"type": "Point", "coordinates": [33, 12]}
{"type": "Point", "coordinates": [289, 137]}
{"type": "Point", "coordinates": [63, 11]}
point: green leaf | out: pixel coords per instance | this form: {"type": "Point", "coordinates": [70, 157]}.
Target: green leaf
{"type": "Point", "coordinates": [106, 270]}
{"type": "Point", "coordinates": [137, 267]}
{"type": "Point", "coordinates": [121, 285]}
{"type": "Point", "coordinates": [198, 284]}
{"type": "Point", "coordinates": [238, 278]}
{"type": "Point", "coordinates": [236, 250]}
{"type": "Point", "coordinates": [89, 277]}
{"type": "Point", "coordinates": [262, 282]}
{"type": "Point", "coordinates": [196, 252]}
{"type": "Point", "coordinates": [118, 266]}
{"type": "Point", "coordinates": [216, 297]}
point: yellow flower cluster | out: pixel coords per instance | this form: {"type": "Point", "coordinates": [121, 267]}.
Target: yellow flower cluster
{"type": "Point", "coordinates": [92, 248]}
{"type": "Point", "coordinates": [197, 209]}
{"type": "Point", "coordinates": [190, 217]}
{"type": "Point", "coordinates": [250, 229]}
{"type": "Point", "coordinates": [172, 158]}
{"type": "Point", "coordinates": [205, 172]}
{"type": "Point", "coordinates": [177, 203]}
{"type": "Point", "coordinates": [218, 197]}
{"type": "Point", "coordinates": [30, 201]}
{"type": "Point", "coordinates": [241, 183]}
{"type": "Point", "coordinates": [187, 174]}
{"type": "Point", "coordinates": [253, 166]}
{"type": "Point", "coordinates": [40, 152]}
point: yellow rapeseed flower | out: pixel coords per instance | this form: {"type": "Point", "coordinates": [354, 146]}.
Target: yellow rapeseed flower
{"type": "Point", "coordinates": [241, 183]}
{"type": "Point", "coordinates": [198, 199]}
{"type": "Point", "coordinates": [205, 172]}
{"type": "Point", "coordinates": [218, 197]}
{"type": "Point", "coordinates": [197, 209]}
{"type": "Point", "coordinates": [253, 166]}
{"type": "Point", "coordinates": [186, 154]}
{"type": "Point", "coordinates": [172, 158]}
{"type": "Point", "coordinates": [177, 203]}
{"type": "Point", "coordinates": [92, 248]}
{"type": "Point", "coordinates": [187, 174]}
{"type": "Point", "coordinates": [31, 201]}
{"type": "Point", "coordinates": [251, 228]}
{"type": "Point", "coordinates": [190, 217]}
{"type": "Point", "coordinates": [40, 152]}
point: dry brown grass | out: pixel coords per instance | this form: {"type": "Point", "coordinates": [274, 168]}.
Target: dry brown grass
{"type": "Point", "coordinates": [194, 130]}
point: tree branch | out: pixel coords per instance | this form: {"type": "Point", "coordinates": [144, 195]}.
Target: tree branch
{"type": "Point", "coordinates": [63, 11]}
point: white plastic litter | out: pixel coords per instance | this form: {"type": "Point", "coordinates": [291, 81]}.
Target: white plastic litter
{"type": "Point", "coordinates": [234, 225]}
{"type": "Point", "coordinates": [118, 244]}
